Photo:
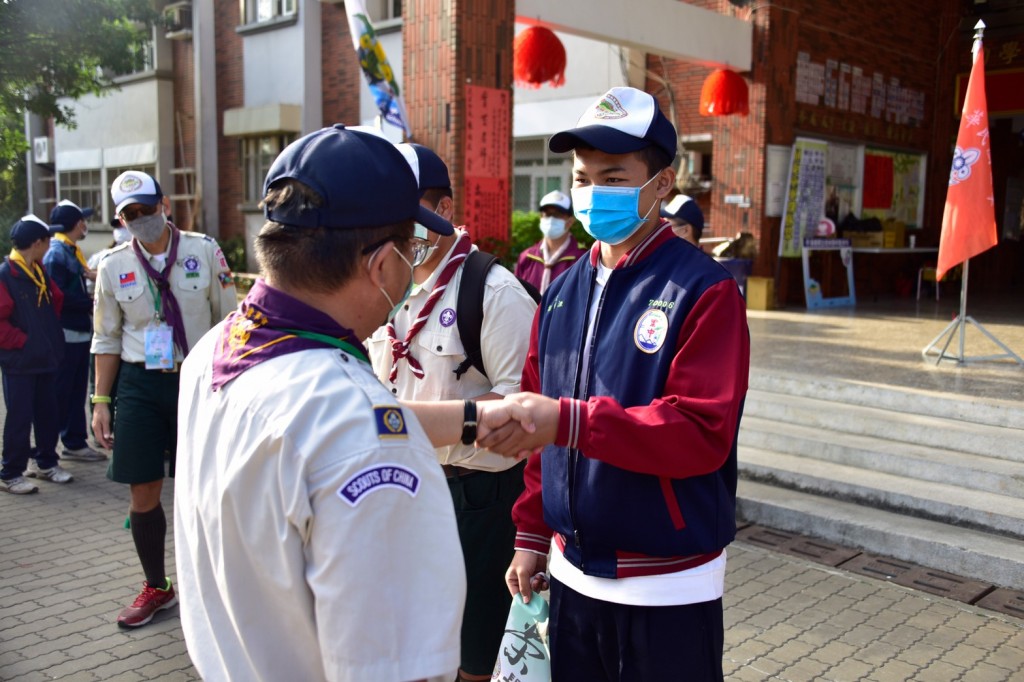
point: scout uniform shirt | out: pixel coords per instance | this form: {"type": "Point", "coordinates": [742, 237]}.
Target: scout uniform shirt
{"type": "Point", "coordinates": [127, 301]}
{"type": "Point", "coordinates": [504, 340]}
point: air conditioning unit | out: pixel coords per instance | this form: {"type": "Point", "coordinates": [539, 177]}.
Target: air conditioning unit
{"type": "Point", "coordinates": [178, 20]}
{"type": "Point", "coordinates": [42, 150]}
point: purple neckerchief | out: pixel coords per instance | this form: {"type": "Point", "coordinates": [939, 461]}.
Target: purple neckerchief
{"type": "Point", "coordinates": [168, 304]}
{"type": "Point", "coordinates": [261, 329]}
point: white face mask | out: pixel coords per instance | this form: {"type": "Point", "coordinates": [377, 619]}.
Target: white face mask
{"type": "Point", "coordinates": [395, 307]}
{"type": "Point", "coordinates": [552, 228]}
{"type": "Point", "coordinates": [148, 228]}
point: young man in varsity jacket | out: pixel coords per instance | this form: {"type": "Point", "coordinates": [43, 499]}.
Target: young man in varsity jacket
{"type": "Point", "coordinates": [640, 353]}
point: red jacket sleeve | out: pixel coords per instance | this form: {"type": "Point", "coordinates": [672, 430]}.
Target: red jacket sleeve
{"type": "Point", "coordinates": [11, 338]}
{"type": "Point", "coordinates": [700, 407]}
{"type": "Point", "coordinates": [532, 534]}
{"type": "Point", "coordinates": [58, 297]}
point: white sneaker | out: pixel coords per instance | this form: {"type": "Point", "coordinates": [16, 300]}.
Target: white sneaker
{"type": "Point", "coordinates": [85, 454]}
{"type": "Point", "coordinates": [18, 486]}
{"type": "Point", "coordinates": [56, 473]}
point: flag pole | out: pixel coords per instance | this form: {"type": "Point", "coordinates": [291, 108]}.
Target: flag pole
{"type": "Point", "coordinates": [958, 327]}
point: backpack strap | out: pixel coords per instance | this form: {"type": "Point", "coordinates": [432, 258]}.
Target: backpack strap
{"type": "Point", "coordinates": [469, 314]}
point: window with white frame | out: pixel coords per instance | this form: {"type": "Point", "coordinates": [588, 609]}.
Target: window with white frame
{"type": "Point", "coordinates": [384, 10]}
{"type": "Point", "coordinates": [257, 11]}
{"type": "Point", "coordinates": [257, 155]}
{"type": "Point", "coordinates": [112, 174]}
{"type": "Point", "coordinates": [82, 187]}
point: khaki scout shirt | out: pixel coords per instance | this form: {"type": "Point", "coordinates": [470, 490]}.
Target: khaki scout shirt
{"type": "Point", "coordinates": [125, 302]}
{"type": "Point", "coordinates": [504, 340]}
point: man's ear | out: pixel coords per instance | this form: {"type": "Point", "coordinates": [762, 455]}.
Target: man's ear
{"type": "Point", "coordinates": [375, 264]}
{"type": "Point", "coordinates": [666, 181]}
{"type": "Point", "coordinates": [166, 202]}
{"type": "Point", "coordinates": [446, 208]}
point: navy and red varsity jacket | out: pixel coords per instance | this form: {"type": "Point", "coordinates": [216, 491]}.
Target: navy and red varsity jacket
{"type": "Point", "coordinates": [642, 477]}
{"type": "Point", "coordinates": [31, 338]}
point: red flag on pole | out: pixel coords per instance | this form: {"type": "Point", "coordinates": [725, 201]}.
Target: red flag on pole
{"type": "Point", "coordinates": [969, 220]}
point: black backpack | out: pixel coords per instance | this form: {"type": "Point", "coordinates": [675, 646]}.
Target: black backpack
{"type": "Point", "coordinates": [470, 306]}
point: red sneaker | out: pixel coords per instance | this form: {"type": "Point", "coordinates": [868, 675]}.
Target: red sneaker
{"type": "Point", "coordinates": [145, 606]}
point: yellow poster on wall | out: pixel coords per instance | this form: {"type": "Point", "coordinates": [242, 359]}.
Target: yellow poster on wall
{"type": "Point", "coordinates": [805, 195]}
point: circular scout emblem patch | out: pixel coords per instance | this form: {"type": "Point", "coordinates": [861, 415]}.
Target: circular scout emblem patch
{"type": "Point", "coordinates": [447, 317]}
{"type": "Point", "coordinates": [191, 264]}
{"type": "Point", "coordinates": [130, 183]}
{"type": "Point", "coordinates": [651, 329]}
{"type": "Point", "coordinates": [393, 421]}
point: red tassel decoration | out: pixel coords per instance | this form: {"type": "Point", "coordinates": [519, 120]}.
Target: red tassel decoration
{"type": "Point", "coordinates": [724, 92]}
{"type": "Point", "coordinates": [538, 57]}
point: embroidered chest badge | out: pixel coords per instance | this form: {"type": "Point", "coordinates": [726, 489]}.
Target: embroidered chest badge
{"type": "Point", "coordinates": [447, 317]}
{"type": "Point", "coordinates": [651, 330]}
{"type": "Point", "coordinates": [191, 265]}
{"type": "Point", "coordinates": [126, 279]}
{"type": "Point", "coordinates": [376, 478]}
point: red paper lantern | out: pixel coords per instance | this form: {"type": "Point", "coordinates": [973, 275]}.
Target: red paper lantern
{"type": "Point", "coordinates": [724, 92]}
{"type": "Point", "coordinates": [538, 57]}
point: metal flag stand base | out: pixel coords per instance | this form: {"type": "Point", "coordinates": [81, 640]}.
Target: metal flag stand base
{"type": "Point", "coordinates": [959, 324]}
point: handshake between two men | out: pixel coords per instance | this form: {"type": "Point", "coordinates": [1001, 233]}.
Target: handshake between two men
{"type": "Point", "coordinates": [517, 425]}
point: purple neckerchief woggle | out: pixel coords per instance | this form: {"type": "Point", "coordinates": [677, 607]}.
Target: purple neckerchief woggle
{"type": "Point", "coordinates": [270, 323]}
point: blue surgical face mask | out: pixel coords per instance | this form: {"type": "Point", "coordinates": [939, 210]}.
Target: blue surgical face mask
{"type": "Point", "coordinates": [610, 214]}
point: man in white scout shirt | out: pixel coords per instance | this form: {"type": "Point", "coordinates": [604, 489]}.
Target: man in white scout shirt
{"type": "Point", "coordinates": [314, 534]}
{"type": "Point", "coordinates": [417, 356]}
{"type": "Point", "coordinates": [155, 297]}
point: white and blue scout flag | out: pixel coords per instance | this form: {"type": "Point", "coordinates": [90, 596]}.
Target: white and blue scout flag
{"type": "Point", "coordinates": [376, 68]}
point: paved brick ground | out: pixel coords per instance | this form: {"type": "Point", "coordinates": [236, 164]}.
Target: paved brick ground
{"type": "Point", "coordinates": [67, 566]}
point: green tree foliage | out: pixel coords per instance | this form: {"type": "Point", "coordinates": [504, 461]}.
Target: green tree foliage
{"type": "Point", "coordinates": [525, 232]}
{"type": "Point", "coordinates": [53, 49]}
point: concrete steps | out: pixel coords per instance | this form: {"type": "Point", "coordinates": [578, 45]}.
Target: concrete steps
{"type": "Point", "coordinates": [916, 475]}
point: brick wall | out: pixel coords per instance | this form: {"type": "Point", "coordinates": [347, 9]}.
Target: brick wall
{"type": "Point", "coordinates": [341, 80]}
{"type": "Point", "coordinates": [230, 94]}
{"type": "Point", "coordinates": [443, 52]}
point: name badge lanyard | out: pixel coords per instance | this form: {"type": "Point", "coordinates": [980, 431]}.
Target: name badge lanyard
{"type": "Point", "coordinates": [159, 337]}
{"type": "Point", "coordinates": [330, 341]}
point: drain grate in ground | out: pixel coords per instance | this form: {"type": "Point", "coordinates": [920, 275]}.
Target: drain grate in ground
{"type": "Point", "coordinates": [905, 573]}
{"type": "Point", "coordinates": [1010, 602]}
{"type": "Point", "coordinates": [797, 545]}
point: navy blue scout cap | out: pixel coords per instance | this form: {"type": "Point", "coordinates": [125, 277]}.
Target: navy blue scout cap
{"type": "Point", "coordinates": [66, 215]}
{"type": "Point", "coordinates": [685, 209]}
{"type": "Point", "coordinates": [430, 170]}
{"type": "Point", "coordinates": [363, 179]}
{"type": "Point", "coordinates": [28, 231]}
{"type": "Point", "coordinates": [622, 120]}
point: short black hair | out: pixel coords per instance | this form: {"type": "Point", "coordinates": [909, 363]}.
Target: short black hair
{"type": "Point", "coordinates": [317, 259]}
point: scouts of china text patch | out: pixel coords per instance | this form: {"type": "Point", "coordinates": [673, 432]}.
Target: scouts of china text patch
{"type": "Point", "coordinates": [376, 478]}
{"type": "Point", "coordinates": [390, 421]}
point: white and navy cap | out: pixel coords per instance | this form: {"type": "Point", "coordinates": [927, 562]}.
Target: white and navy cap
{"type": "Point", "coordinates": [622, 120]}
{"type": "Point", "coordinates": [684, 208]}
{"type": "Point", "coordinates": [556, 199]}
{"type": "Point", "coordinates": [134, 187]}
{"type": "Point", "coordinates": [431, 172]}
{"type": "Point", "coordinates": [66, 215]}
{"type": "Point", "coordinates": [363, 179]}
{"type": "Point", "coordinates": [28, 231]}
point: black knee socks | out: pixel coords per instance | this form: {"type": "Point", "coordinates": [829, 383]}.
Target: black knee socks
{"type": "Point", "coordinates": [149, 530]}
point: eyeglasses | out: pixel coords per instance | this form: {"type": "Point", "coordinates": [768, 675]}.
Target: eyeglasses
{"type": "Point", "coordinates": [421, 250]}
{"type": "Point", "coordinates": [133, 211]}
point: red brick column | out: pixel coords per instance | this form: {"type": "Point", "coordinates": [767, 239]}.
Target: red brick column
{"type": "Point", "coordinates": [443, 53]}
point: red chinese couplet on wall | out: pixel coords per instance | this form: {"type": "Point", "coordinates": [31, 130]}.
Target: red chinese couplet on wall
{"type": "Point", "coordinates": [487, 211]}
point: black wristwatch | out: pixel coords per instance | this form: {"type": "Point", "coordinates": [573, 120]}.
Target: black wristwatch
{"type": "Point", "coordinates": [469, 423]}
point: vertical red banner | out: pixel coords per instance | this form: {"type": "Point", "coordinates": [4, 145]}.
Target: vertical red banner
{"type": "Point", "coordinates": [488, 210]}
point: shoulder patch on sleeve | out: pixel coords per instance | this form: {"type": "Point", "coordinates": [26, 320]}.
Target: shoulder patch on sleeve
{"type": "Point", "coordinates": [376, 478]}
{"type": "Point", "coordinates": [390, 421]}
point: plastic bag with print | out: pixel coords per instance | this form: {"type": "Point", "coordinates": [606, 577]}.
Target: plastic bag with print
{"type": "Point", "coordinates": [523, 656]}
